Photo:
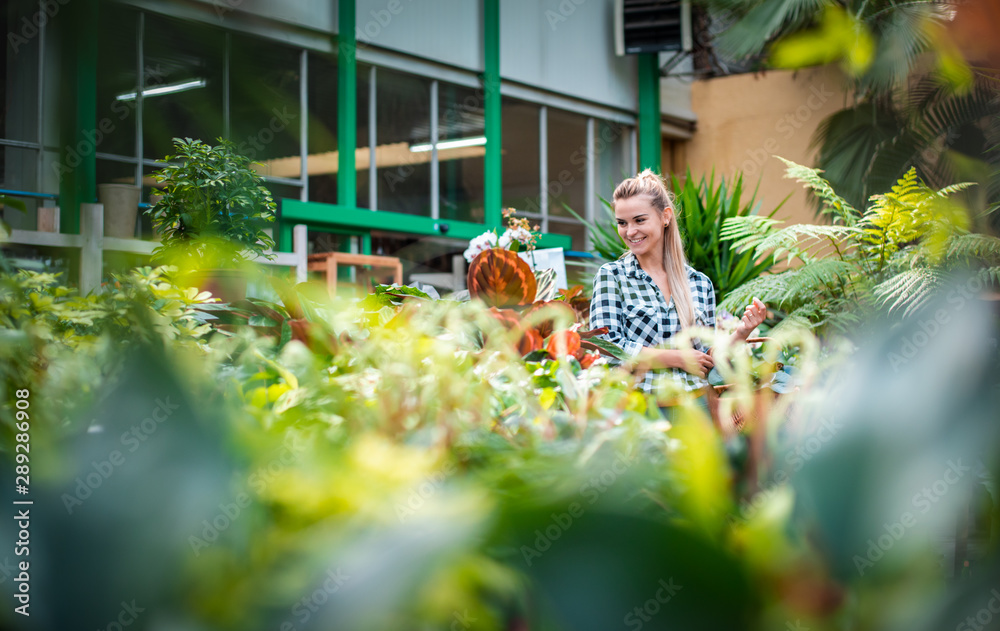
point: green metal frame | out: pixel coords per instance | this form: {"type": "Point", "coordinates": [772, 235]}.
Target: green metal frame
{"type": "Point", "coordinates": [77, 27]}
{"type": "Point", "coordinates": [650, 142]}
{"type": "Point", "coordinates": [491, 107]}
{"type": "Point", "coordinates": [347, 106]}
{"type": "Point", "coordinates": [334, 216]}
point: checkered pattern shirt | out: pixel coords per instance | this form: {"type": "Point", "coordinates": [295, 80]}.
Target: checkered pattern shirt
{"type": "Point", "coordinates": [629, 303]}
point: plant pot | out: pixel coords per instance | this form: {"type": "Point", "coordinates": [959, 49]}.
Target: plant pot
{"type": "Point", "coordinates": [228, 285]}
{"type": "Point", "coordinates": [121, 207]}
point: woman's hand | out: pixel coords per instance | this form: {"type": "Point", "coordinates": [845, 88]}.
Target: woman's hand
{"type": "Point", "coordinates": [689, 360]}
{"type": "Point", "coordinates": [752, 317]}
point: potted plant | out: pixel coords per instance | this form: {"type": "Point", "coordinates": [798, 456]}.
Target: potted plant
{"type": "Point", "coordinates": [211, 216]}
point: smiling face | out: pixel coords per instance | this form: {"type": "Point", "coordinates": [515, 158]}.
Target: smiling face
{"type": "Point", "coordinates": [641, 225]}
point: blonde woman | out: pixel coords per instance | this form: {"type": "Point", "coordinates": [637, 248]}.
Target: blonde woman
{"type": "Point", "coordinates": [650, 294]}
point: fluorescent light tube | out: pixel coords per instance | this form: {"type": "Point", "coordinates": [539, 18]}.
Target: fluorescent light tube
{"type": "Point", "coordinates": [164, 89]}
{"type": "Point", "coordinates": [451, 144]}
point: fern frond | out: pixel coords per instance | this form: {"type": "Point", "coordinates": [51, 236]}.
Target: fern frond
{"type": "Point", "coordinates": [908, 289]}
{"type": "Point", "coordinates": [975, 246]}
{"type": "Point", "coordinates": [833, 204]}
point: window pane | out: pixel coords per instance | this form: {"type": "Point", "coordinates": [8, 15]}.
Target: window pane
{"type": "Point", "coordinates": [611, 146]}
{"type": "Point", "coordinates": [265, 112]}
{"type": "Point", "coordinates": [567, 162]}
{"type": "Point", "coordinates": [116, 83]}
{"type": "Point", "coordinates": [18, 171]}
{"type": "Point", "coordinates": [461, 120]}
{"type": "Point", "coordinates": [19, 84]}
{"type": "Point", "coordinates": [403, 119]}
{"type": "Point", "coordinates": [521, 184]}
{"type": "Point", "coordinates": [362, 164]}
{"type": "Point", "coordinates": [572, 228]}
{"type": "Point", "coordinates": [323, 129]}
{"type": "Point", "coordinates": [184, 61]}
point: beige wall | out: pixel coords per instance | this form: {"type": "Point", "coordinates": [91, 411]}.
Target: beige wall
{"type": "Point", "coordinates": [745, 120]}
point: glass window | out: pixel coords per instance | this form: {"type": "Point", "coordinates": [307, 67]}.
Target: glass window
{"type": "Point", "coordinates": [322, 144]}
{"type": "Point", "coordinates": [363, 166]}
{"type": "Point", "coordinates": [19, 85]}
{"type": "Point", "coordinates": [182, 94]}
{"type": "Point", "coordinates": [264, 104]}
{"type": "Point", "coordinates": [19, 171]}
{"type": "Point", "coordinates": [521, 183]}
{"type": "Point", "coordinates": [461, 151]}
{"type": "Point", "coordinates": [611, 149]}
{"type": "Point", "coordinates": [567, 162]}
{"type": "Point", "coordinates": [572, 228]}
{"type": "Point", "coordinates": [403, 119]}
{"type": "Point", "coordinates": [117, 84]}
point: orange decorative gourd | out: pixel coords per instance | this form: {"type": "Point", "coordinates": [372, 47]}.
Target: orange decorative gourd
{"type": "Point", "coordinates": [500, 278]}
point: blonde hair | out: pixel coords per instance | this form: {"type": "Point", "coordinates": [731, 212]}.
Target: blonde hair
{"type": "Point", "coordinates": [650, 185]}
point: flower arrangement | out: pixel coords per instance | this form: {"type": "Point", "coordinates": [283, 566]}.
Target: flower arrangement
{"type": "Point", "coordinates": [518, 234]}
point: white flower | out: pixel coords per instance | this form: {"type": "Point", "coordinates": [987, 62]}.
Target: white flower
{"type": "Point", "coordinates": [481, 243]}
{"type": "Point", "coordinates": [520, 235]}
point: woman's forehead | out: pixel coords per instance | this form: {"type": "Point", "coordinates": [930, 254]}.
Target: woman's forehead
{"type": "Point", "coordinates": [635, 206]}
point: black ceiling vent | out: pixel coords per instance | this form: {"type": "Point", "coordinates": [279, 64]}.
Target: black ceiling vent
{"type": "Point", "coordinates": [652, 26]}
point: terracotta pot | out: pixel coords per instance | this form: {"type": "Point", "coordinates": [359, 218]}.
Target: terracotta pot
{"type": "Point", "coordinates": [121, 207]}
{"type": "Point", "coordinates": [228, 285]}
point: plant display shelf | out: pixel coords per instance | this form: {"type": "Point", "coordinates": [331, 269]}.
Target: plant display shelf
{"type": "Point", "coordinates": [92, 243]}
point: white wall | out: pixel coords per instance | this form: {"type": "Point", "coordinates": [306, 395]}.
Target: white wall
{"type": "Point", "coordinates": [566, 46]}
{"type": "Point", "coordinates": [448, 31]}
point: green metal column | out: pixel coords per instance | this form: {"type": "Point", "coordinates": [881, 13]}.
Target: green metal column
{"type": "Point", "coordinates": [78, 29]}
{"type": "Point", "coordinates": [649, 112]}
{"type": "Point", "coordinates": [347, 106]}
{"type": "Point", "coordinates": [491, 89]}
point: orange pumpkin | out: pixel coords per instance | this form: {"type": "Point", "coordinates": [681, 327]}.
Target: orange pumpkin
{"type": "Point", "coordinates": [501, 279]}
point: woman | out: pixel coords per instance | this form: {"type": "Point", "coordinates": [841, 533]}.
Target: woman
{"type": "Point", "coordinates": [650, 294]}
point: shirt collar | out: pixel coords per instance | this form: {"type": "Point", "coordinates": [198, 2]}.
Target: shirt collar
{"type": "Point", "coordinates": [631, 265]}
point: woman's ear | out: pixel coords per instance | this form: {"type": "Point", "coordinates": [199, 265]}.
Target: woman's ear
{"type": "Point", "coordinates": [668, 216]}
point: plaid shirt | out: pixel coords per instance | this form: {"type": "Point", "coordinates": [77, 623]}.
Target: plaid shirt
{"type": "Point", "coordinates": [628, 302]}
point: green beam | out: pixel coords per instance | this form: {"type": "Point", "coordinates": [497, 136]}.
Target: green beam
{"type": "Point", "coordinates": [491, 106]}
{"type": "Point", "coordinates": [77, 166]}
{"type": "Point", "coordinates": [296, 211]}
{"type": "Point", "coordinates": [347, 105]}
{"type": "Point", "coordinates": [649, 112]}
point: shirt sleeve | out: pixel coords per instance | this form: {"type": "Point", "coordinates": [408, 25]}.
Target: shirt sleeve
{"type": "Point", "coordinates": [607, 309]}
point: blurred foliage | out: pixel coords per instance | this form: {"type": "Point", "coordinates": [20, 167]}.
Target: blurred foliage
{"type": "Point", "coordinates": [896, 254]}
{"type": "Point", "coordinates": [704, 206]}
{"type": "Point", "coordinates": [399, 463]}
{"type": "Point", "coordinates": [916, 101]}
